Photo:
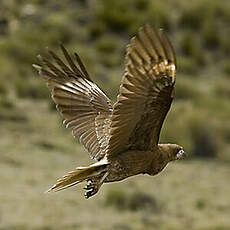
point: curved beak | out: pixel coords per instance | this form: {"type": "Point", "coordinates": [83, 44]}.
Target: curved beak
{"type": "Point", "coordinates": [181, 154]}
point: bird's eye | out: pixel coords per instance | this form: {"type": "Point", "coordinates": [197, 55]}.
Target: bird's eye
{"type": "Point", "coordinates": [181, 154]}
{"type": "Point", "coordinates": [178, 150]}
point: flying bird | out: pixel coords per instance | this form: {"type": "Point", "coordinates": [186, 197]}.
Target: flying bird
{"type": "Point", "coordinates": [122, 137]}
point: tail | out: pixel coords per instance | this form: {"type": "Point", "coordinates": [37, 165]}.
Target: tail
{"type": "Point", "coordinates": [79, 175]}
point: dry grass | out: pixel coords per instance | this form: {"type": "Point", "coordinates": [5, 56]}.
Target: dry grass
{"type": "Point", "coordinates": [188, 194]}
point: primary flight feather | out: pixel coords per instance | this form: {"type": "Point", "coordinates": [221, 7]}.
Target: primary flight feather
{"type": "Point", "coordinates": [122, 137]}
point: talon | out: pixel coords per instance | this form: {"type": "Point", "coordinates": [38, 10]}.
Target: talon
{"type": "Point", "coordinates": [89, 182]}
{"type": "Point", "coordinates": [89, 193]}
{"type": "Point", "coordinates": [86, 196]}
{"type": "Point", "coordinates": [89, 186]}
{"type": "Point", "coordinates": [92, 187]}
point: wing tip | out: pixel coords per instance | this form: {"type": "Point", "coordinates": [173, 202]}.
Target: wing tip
{"type": "Point", "coordinates": [164, 41]}
{"type": "Point", "coordinates": [37, 67]}
{"type": "Point", "coordinates": [52, 189]}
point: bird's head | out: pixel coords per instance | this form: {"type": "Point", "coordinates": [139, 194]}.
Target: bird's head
{"type": "Point", "coordinates": [174, 151]}
{"type": "Point", "coordinates": [177, 152]}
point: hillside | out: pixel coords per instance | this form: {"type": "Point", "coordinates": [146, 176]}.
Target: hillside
{"type": "Point", "coordinates": [36, 149]}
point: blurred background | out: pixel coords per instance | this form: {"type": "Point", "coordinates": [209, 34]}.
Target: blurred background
{"type": "Point", "coordinates": [36, 149]}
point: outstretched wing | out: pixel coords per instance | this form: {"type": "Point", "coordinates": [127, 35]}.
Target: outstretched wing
{"type": "Point", "coordinates": [146, 92]}
{"type": "Point", "coordinates": [85, 108]}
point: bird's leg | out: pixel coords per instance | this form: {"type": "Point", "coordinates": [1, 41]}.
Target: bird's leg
{"type": "Point", "coordinates": [93, 185]}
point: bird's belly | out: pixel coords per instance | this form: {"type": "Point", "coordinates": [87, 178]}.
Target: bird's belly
{"type": "Point", "coordinates": [117, 172]}
{"type": "Point", "coordinates": [128, 164]}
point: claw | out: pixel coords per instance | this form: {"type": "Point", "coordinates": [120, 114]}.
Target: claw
{"type": "Point", "coordinates": [86, 196]}
{"type": "Point", "coordinates": [91, 189]}
{"type": "Point", "coordinates": [89, 193]}
{"type": "Point", "coordinates": [92, 186]}
{"type": "Point", "coordinates": [89, 182]}
{"type": "Point", "coordinates": [89, 185]}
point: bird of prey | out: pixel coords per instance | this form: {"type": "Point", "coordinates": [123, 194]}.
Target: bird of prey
{"type": "Point", "coordinates": [123, 137]}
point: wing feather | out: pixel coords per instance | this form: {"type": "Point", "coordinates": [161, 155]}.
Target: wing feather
{"type": "Point", "coordinates": [79, 101]}
{"type": "Point", "coordinates": [145, 94]}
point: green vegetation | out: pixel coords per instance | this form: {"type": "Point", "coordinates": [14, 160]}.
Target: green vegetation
{"type": "Point", "coordinates": [133, 202]}
{"type": "Point", "coordinates": [35, 148]}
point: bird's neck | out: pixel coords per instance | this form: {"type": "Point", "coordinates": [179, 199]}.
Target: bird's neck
{"type": "Point", "coordinates": [165, 151]}
{"type": "Point", "coordinates": [161, 158]}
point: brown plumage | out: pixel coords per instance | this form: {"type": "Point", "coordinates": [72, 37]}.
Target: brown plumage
{"type": "Point", "coordinates": [122, 137]}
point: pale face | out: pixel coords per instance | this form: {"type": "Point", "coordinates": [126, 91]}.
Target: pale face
{"type": "Point", "coordinates": [177, 152]}
{"type": "Point", "coordinates": [180, 154]}
{"type": "Point", "coordinates": [173, 151]}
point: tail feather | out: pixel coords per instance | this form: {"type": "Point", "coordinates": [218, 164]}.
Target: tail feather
{"type": "Point", "coordinates": [79, 175]}
{"type": "Point", "coordinates": [56, 188]}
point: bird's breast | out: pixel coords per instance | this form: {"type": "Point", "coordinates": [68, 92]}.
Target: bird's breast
{"type": "Point", "coordinates": [128, 164]}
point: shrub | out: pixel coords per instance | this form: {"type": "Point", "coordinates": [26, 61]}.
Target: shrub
{"type": "Point", "coordinates": [204, 142]}
{"type": "Point", "coordinates": [107, 44]}
{"type": "Point", "coordinates": [225, 44]}
{"type": "Point", "coordinates": [116, 198]}
{"type": "Point", "coordinates": [227, 69]}
{"type": "Point", "coordinates": [192, 18]}
{"type": "Point", "coordinates": [5, 102]}
{"type": "Point", "coordinates": [190, 46]}
{"type": "Point", "coordinates": [96, 29]}
{"type": "Point", "coordinates": [118, 17]}
{"type": "Point", "coordinates": [211, 34]}
{"type": "Point", "coordinates": [141, 4]}
{"type": "Point", "coordinates": [186, 89]}
{"type": "Point", "coordinates": [200, 204]}
{"type": "Point", "coordinates": [141, 201]}
{"type": "Point", "coordinates": [222, 88]}
{"type": "Point", "coordinates": [3, 90]}
{"type": "Point", "coordinates": [133, 202]}
{"type": "Point", "coordinates": [29, 88]}
{"type": "Point", "coordinates": [187, 65]}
